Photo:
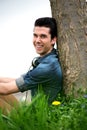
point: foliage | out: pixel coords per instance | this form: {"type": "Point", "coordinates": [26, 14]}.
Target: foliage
{"type": "Point", "coordinates": [68, 114]}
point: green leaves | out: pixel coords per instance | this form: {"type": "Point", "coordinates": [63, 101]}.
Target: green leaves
{"type": "Point", "coordinates": [69, 114]}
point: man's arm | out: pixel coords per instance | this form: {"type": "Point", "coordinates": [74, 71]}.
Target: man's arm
{"type": "Point", "coordinates": [8, 87]}
{"type": "Point", "coordinates": [5, 79]}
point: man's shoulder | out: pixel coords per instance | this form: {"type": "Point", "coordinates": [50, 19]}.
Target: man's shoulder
{"type": "Point", "coordinates": [51, 58]}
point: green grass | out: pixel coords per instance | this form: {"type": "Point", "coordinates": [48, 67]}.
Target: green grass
{"type": "Point", "coordinates": [71, 114]}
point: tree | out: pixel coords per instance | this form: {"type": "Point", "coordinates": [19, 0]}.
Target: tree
{"type": "Point", "coordinates": [71, 16]}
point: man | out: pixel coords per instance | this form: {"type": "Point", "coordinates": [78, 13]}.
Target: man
{"type": "Point", "coordinates": [46, 73]}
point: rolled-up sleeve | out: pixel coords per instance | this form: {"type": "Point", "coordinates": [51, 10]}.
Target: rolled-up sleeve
{"type": "Point", "coordinates": [20, 83]}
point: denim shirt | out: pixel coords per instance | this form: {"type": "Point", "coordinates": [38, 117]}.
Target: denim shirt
{"type": "Point", "coordinates": [46, 74]}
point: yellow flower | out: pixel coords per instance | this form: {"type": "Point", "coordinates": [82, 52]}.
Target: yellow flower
{"type": "Point", "coordinates": [55, 103]}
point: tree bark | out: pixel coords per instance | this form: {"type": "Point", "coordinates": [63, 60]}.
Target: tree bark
{"type": "Point", "coordinates": [71, 16]}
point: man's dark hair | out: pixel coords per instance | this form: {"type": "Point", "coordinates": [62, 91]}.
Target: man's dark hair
{"type": "Point", "coordinates": [48, 22]}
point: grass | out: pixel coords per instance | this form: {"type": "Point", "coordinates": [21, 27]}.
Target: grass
{"type": "Point", "coordinates": [68, 114]}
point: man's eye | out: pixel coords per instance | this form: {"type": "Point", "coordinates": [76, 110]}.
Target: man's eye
{"type": "Point", "coordinates": [35, 35]}
{"type": "Point", "coordinates": [43, 36]}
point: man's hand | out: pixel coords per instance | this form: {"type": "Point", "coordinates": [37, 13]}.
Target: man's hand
{"type": "Point", "coordinates": [8, 87]}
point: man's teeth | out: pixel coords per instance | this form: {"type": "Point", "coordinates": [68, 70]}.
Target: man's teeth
{"type": "Point", "coordinates": [39, 46]}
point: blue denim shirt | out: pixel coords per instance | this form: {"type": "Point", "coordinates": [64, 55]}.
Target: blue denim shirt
{"type": "Point", "coordinates": [46, 74]}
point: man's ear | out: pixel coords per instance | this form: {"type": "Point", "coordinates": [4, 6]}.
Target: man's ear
{"type": "Point", "coordinates": [54, 40]}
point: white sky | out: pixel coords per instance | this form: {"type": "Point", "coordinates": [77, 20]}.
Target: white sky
{"type": "Point", "coordinates": [16, 28]}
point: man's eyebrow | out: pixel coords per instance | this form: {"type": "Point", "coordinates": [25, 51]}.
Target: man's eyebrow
{"type": "Point", "coordinates": [43, 34]}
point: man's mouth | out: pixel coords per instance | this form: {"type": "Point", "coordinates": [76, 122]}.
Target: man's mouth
{"type": "Point", "coordinates": [39, 46]}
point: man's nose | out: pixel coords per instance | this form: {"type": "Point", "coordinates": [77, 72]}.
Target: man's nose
{"type": "Point", "coordinates": [38, 39]}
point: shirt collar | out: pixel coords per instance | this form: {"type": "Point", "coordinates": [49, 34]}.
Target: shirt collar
{"type": "Point", "coordinates": [54, 51]}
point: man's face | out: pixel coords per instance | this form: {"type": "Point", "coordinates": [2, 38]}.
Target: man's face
{"type": "Point", "coordinates": [42, 40]}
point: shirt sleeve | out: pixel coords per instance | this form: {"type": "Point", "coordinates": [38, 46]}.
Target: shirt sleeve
{"type": "Point", "coordinates": [42, 73]}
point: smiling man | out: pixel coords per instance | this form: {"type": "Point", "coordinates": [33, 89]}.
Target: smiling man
{"type": "Point", "coordinates": [42, 40]}
{"type": "Point", "coordinates": [46, 72]}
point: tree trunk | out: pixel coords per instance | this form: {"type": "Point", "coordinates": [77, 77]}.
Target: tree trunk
{"type": "Point", "coordinates": [71, 16]}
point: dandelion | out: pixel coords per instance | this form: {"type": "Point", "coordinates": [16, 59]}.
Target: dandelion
{"type": "Point", "coordinates": [55, 103]}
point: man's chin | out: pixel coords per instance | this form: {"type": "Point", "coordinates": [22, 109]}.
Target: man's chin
{"type": "Point", "coordinates": [40, 53]}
